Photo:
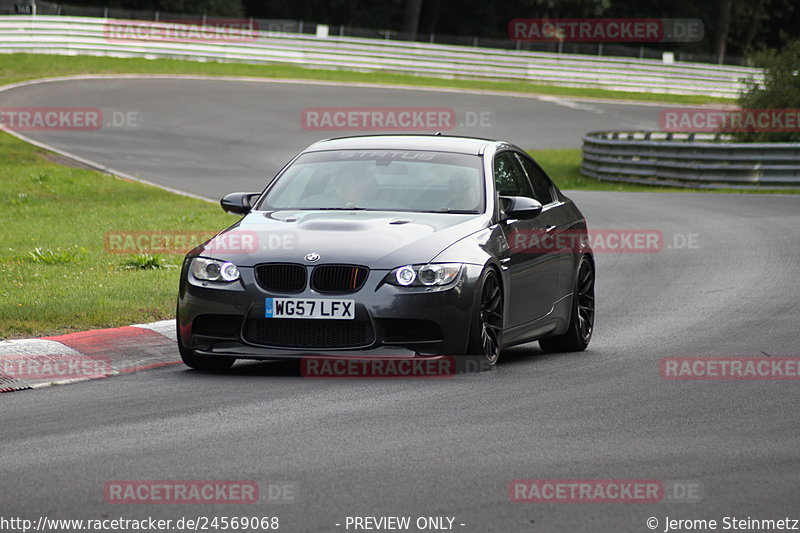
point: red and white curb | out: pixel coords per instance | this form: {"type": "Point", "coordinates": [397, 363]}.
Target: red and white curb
{"type": "Point", "coordinates": [36, 363]}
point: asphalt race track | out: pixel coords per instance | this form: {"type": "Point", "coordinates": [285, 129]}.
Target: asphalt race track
{"type": "Point", "coordinates": [210, 137]}
{"type": "Point", "coordinates": [724, 284]}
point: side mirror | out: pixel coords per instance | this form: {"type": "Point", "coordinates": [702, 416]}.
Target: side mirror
{"type": "Point", "coordinates": [520, 207]}
{"type": "Point", "coordinates": [239, 203]}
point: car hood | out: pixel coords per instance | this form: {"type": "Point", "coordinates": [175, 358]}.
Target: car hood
{"type": "Point", "coordinates": [379, 240]}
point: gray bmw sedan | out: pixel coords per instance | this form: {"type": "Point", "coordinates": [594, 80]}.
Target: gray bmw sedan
{"type": "Point", "coordinates": [391, 246]}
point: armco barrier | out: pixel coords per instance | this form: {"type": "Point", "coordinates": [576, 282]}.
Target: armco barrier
{"type": "Point", "coordinates": [703, 160]}
{"type": "Point", "coordinates": [87, 36]}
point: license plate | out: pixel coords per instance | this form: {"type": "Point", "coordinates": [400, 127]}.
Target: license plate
{"type": "Point", "coordinates": [310, 308]}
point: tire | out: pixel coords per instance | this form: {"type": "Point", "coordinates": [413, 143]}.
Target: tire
{"type": "Point", "coordinates": [211, 364]}
{"type": "Point", "coordinates": [486, 330]}
{"type": "Point", "coordinates": [581, 324]}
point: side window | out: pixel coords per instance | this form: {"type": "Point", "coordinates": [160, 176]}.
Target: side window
{"type": "Point", "coordinates": [540, 182]}
{"type": "Point", "coordinates": [509, 178]}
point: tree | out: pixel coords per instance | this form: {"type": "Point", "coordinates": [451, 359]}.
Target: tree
{"type": "Point", "coordinates": [723, 28]}
{"type": "Point", "coordinates": [411, 19]}
{"type": "Point", "coordinates": [781, 90]}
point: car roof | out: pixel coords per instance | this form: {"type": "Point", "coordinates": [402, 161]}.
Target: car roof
{"type": "Point", "coordinates": [437, 143]}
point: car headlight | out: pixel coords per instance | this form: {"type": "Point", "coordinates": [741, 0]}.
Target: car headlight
{"type": "Point", "coordinates": [405, 276]}
{"type": "Point", "coordinates": [213, 270]}
{"type": "Point", "coordinates": [430, 275]}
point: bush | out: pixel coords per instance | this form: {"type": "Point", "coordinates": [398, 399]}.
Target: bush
{"type": "Point", "coordinates": [781, 90]}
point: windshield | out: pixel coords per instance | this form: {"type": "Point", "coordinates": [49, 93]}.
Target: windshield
{"type": "Point", "coordinates": [380, 180]}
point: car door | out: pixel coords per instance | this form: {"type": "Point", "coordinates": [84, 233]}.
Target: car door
{"type": "Point", "coordinates": [561, 238]}
{"type": "Point", "coordinates": [533, 269]}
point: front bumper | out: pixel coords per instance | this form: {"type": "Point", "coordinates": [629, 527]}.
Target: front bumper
{"type": "Point", "coordinates": [216, 319]}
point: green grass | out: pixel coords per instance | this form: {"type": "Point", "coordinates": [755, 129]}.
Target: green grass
{"type": "Point", "coordinates": [20, 67]}
{"type": "Point", "coordinates": [58, 272]}
{"type": "Point", "coordinates": [55, 257]}
{"type": "Point", "coordinates": [147, 261]}
{"type": "Point", "coordinates": [563, 166]}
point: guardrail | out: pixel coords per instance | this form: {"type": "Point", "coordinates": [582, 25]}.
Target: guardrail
{"type": "Point", "coordinates": [89, 36]}
{"type": "Point", "coordinates": [699, 160]}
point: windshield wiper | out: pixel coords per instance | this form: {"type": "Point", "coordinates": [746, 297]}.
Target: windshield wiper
{"type": "Point", "coordinates": [353, 208]}
{"type": "Point", "coordinates": [452, 211]}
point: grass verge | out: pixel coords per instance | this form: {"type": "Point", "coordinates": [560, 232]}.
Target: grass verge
{"type": "Point", "coordinates": [21, 67]}
{"type": "Point", "coordinates": [58, 272]}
